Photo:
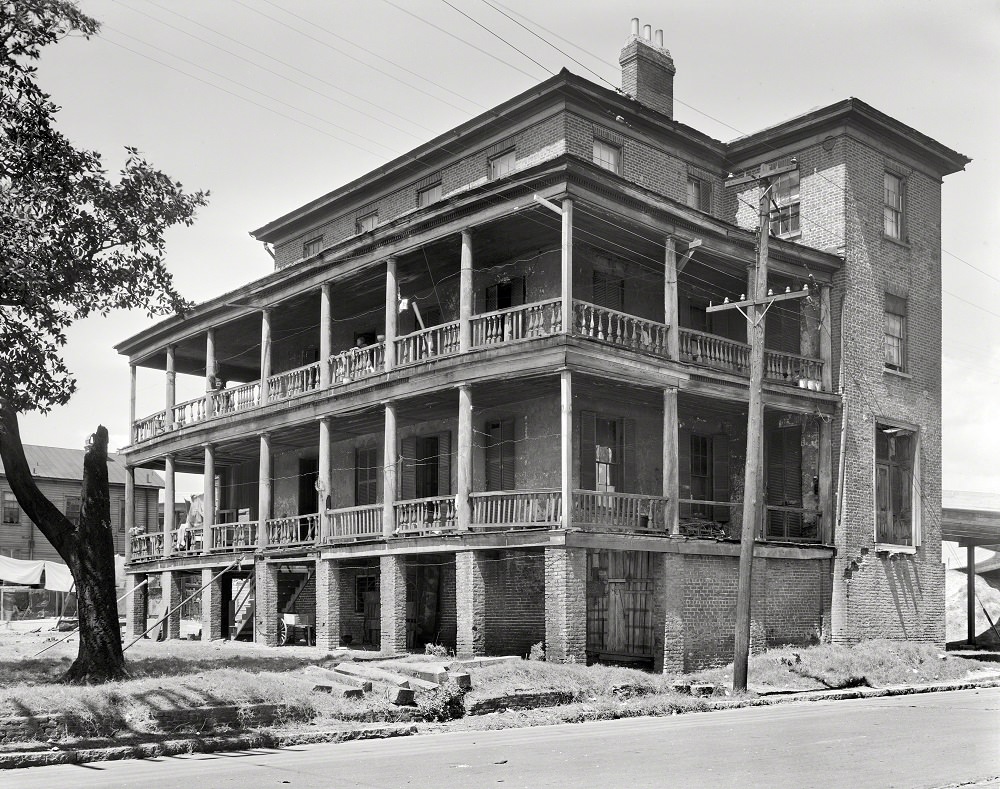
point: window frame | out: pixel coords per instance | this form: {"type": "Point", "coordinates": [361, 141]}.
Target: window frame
{"type": "Point", "coordinates": [786, 205]}
{"type": "Point", "coordinates": [366, 223]}
{"type": "Point", "coordinates": [8, 501]}
{"type": "Point", "coordinates": [501, 164]}
{"type": "Point", "coordinates": [371, 584]}
{"type": "Point", "coordinates": [612, 164]}
{"type": "Point", "coordinates": [434, 190]}
{"type": "Point", "coordinates": [66, 509]}
{"type": "Point", "coordinates": [312, 246]}
{"type": "Point", "coordinates": [894, 207]}
{"type": "Point", "coordinates": [913, 489]}
{"type": "Point", "coordinates": [605, 284]}
{"type": "Point", "coordinates": [893, 305]}
{"type": "Point", "coordinates": [699, 193]}
{"type": "Point", "coordinates": [369, 480]}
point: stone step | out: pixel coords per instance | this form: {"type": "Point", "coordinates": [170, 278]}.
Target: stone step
{"type": "Point", "coordinates": [481, 662]}
{"type": "Point", "coordinates": [366, 671]}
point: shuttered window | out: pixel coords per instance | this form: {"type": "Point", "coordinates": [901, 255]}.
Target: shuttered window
{"type": "Point", "coordinates": [782, 327]}
{"type": "Point", "coordinates": [425, 466]}
{"type": "Point", "coordinates": [607, 453]}
{"type": "Point", "coordinates": [783, 449]}
{"type": "Point", "coordinates": [609, 291]}
{"type": "Point", "coordinates": [365, 476]}
{"type": "Point", "coordinates": [503, 295]}
{"type": "Point", "coordinates": [699, 194]}
{"type": "Point", "coordinates": [500, 455]}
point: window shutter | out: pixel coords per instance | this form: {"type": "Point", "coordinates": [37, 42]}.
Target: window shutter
{"type": "Point", "coordinates": [507, 455]}
{"type": "Point", "coordinates": [608, 291]}
{"type": "Point", "coordinates": [704, 195]}
{"type": "Point", "coordinates": [683, 464]}
{"type": "Point", "coordinates": [518, 292]}
{"type": "Point", "coordinates": [444, 463]}
{"type": "Point", "coordinates": [882, 531]}
{"type": "Point", "coordinates": [494, 450]}
{"type": "Point", "coordinates": [720, 476]}
{"type": "Point", "coordinates": [630, 473]}
{"type": "Point", "coordinates": [408, 468]}
{"type": "Point", "coordinates": [588, 450]}
{"type": "Point", "coordinates": [782, 329]}
{"type": "Point", "coordinates": [492, 298]}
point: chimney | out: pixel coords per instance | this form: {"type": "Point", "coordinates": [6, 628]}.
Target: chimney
{"type": "Point", "coordinates": [648, 70]}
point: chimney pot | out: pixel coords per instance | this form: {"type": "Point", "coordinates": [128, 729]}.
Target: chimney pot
{"type": "Point", "coordinates": [659, 38]}
{"type": "Point", "coordinates": [647, 31]}
{"type": "Point", "coordinates": [635, 26]}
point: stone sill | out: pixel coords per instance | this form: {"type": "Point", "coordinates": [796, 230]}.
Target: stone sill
{"type": "Point", "coordinates": [898, 373]}
{"type": "Point", "coordinates": [881, 547]}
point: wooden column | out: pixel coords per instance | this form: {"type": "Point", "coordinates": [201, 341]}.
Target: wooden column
{"type": "Point", "coordinates": [566, 445]}
{"type": "Point", "coordinates": [208, 502]}
{"type": "Point", "coordinates": [263, 490]}
{"type": "Point", "coordinates": [131, 404]}
{"type": "Point", "coordinates": [826, 338]}
{"type": "Point", "coordinates": [210, 372]}
{"type": "Point", "coordinates": [825, 473]}
{"type": "Point", "coordinates": [169, 497]}
{"type": "Point", "coordinates": [171, 400]}
{"type": "Point", "coordinates": [970, 594]}
{"type": "Point", "coordinates": [465, 294]}
{"type": "Point", "coordinates": [325, 334]}
{"type": "Point", "coordinates": [265, 353]}
{"type": "Point", "coordinates": [567, 267]}
{"type": "Point", "coordinates": [671, 485]}
{"type": "Point", "coordinates": [325, 474]}
{"type": "Point", "coordinates": [389, 460]}
{"type": "Point", "coordinates": [129, 510]}
{"type": "Point", "coordinates": [670, 315]}
{"type": "Point", "coordinates": [391, 312]}
{"type": "Point", "coordinates": [464, 487]}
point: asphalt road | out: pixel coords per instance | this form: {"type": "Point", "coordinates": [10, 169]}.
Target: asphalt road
{"type": "Point", "coordinates": [916, 741]}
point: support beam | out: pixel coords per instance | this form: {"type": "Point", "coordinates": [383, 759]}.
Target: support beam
{"type": "Point", "coordinates": [131, 403]}
{"type": "Point", "coordinates": [328, 604]}
{"type": "Point", "coordinates": [208, 500]}
{"type": "Point", "coordinates": [263, 490]}
{"type": "Point", "coordinates": [325, 476]}
{"type": "Point", "coordinates": [389, 462]}
{"type": "Point", "coordinates": [671, 484]}
{"type": "Point", "coordinates": [171, 399]}
{"type": "Point", "coordinates": [392, 595]}
{"type": "Point", "coordinates": [465, 294]}
{"type": "Point", "coordinates": [136, 609]}
{"type": "Point", "coordinates": [169, 497]}
{"type": "Point", "coordinates": [670, 298]}
{"type": "Point", "coordinates": [391, 312]}
{"type": "Point", "coordinates": [567, 266]}
{"type": "Point", "coordinates": [826, 338]}
{"type": "Point", "coordinates": [325, 334]}
{"type": "Point", "coordinates": [970, 586]}
{"type": "Point", "coordinates": [211, 372]}
{"type": "Point", "coordinates": [129, 511]}
{"type": "Point", "coordinates": [265, 354]}
{"type": "Point", "coordinates": [464, 475]}
{"type": "Point", "coordinates": [566, 446]}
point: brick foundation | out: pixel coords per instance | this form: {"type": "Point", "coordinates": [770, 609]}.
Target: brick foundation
{"type": "Point", "coordinates": [211, 605]}
{"type": "Point", "coordinates": [470, 603]}
{"type": "Point", "coordinates": [136, 607]}
{"type": "Point", "coordinates": [392, 593]}
{"type": "Point", "coordinates": [170, 584]}
{"type": "Point", "coordinates": [329, 602]}
{"type": "Point", "coordinates": [566, 605]}
{"type": "Point", "coordinates": [266, 603]}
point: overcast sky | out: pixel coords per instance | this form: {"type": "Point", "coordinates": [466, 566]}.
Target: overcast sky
{"type": "Point", "coordinates": [269, 105]}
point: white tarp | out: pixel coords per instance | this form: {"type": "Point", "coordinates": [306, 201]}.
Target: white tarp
{"type": "Point", "coordinates": [58, 577]}
{"type": "Point", "coordinates": [25, 572]}
{"type": "Point", "coordinates": [21, 571]}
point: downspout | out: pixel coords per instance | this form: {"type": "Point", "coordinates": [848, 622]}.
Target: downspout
{"type": "Point", "coordinates": [842, 465]}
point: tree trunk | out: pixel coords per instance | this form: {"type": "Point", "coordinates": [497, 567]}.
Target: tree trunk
{"type": "Point", "coordinates": [87, 549]}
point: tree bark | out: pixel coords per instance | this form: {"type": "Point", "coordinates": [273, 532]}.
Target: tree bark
{"type": "Point", "coordinates": [87, 549]}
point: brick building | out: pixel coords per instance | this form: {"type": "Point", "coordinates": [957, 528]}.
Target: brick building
{"type": "Point", "coordinates": [480, 401]}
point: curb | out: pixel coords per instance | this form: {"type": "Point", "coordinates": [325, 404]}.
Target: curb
{"type": "Point", "coordinates": [266, 740]}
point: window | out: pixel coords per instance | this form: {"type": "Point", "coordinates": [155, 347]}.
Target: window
{"type": "Point", "coordinates": [503, 295]}
{"type": "Point", "coordinates": [425, 466]}
{"type": "Point", "coordinates": [895, 333]}
{"type": "Point", "coordinates": [609, 291]}
{"type": "Point", "coordinates": [502, 164]}
{"type": "Point", "coordinates": [500, 455]}
{"type": "Point", "coordinates": [73, 509]}
{"type": "Point", "coordinates": [312, 246]}
{"type": "Point", "coordinates": [11, 511]}
{"type": "Point", "coordinates": [608, 156]}
{"type": "Point", "coordinates": [365, 476]}
{"type": "Point", "coordinates": [366, 223]}
{"type": "Point", "coordinates": [701, 475]}
{"type": "Point", "coordinates": [428, 195]}
{"type": "Point", "coordinates": [894, 192]}
{"type": "Point", "coordinates": [785, 204]}
{"type": "Point", "coordinates": [699, 194]}
{"type": "Point", "coordinates": [364, 585]}
{"type": "Point", "coordinates": [895, 481]}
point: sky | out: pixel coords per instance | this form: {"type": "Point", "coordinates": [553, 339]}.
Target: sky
{"type": "Point", "coordinates": [269, 105]}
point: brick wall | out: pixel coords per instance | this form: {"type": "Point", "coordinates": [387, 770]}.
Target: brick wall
{"type": "Point", "coordinates": [515, 601]}
{"type": "Point", "coordinates": [566, 604]}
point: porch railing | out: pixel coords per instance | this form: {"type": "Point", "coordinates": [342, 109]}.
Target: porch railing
{"type": "Point", "coordinates": [187, 540]}
{"type": "Point", "coordinates": [722, 353]}
{"type": "Point", "coordinates": [619, 328]}
{"type": "Point", "coordinates": [355, 523]}
{"type": "Point", "coordinates": [293, 382]}
{"type": "Point", "coordinates": [793, 369]}
{"type": "Point", "coordinates": [619, 511]}
{"type": "Point", "coordinates": [150, 427]}
{"type": "Point", "coordinates": [233, 536]}
{"type": "Point", "coordinates": [524, 322]}
{"type": "Point", "coordinates": [427, 344]}
{"type": "Point", "coordinates": [516, 509]}
{"type": "Point", "coordinates": [293, 531]}
{"type": "Point", "coordinates": [147, 547]}
{"type": "Point", "coordinates": [190, 411]}
{"type": "Point", "coordinates": [357, 363]}
{"type": "Point", "coordinates": [237, 398]}
{"type": "Point", "coordinates": [418, 517]}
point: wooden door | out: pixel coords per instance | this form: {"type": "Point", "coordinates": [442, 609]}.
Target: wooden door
{"type": "Point", "coordinates": [620, 605]}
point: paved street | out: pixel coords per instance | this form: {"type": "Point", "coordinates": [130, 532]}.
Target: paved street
{"type": "Point", "coordinates": [927, 740]}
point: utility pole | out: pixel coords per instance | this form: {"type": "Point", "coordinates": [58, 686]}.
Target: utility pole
{"type": "Point", "coordinates": [756, 305]}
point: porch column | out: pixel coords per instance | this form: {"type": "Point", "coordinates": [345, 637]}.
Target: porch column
{"type": "Point", "coordinates": [265, 616]}
{"type": "Point", "coordinates": [129, 511]}
{"type": "Point", "coordinates": [389, 461]}
{"type": "Point", "coordinates": [137, 606]}
{"type": "Point", "coordinates": [265, 354]}
{"type": "Point", "coordinates": [567, 266]}
{"type": "Point", "coordinates": [826, 338]}
{"type": "Point", "coordinates": [670, 298]}
{"type": "Point", "coordinates": [464, 471]}
{"type": "Point", "coordinates": [566, 445]}
{"type": "Point", "coordinates": [169, 497]}
{"type": "Point", "coordinates": [263, 490]}
{"type": "Point", "coordinates": [211, 605]}
{"type": "Point", "coordinates": [825, 473]}
{"type": "Point", "coordinates": [325, 334]}
{"type": "Point", "coordinates": [208, 500]}
{"type": "Point", "coordinates": [970, 592]}
{"type": "Point", "coordinates": [325, 475]}
{"type": "Point", "coordinates": [211, 372]}
{"type": "Point", "coordinates": [465, 294]}
{"type": "Point", "coordinates": [392, 595]}
{"type": "Point", "coordinates": [671, 484]}
{"type": "Point", "coordinates": [170, 587]}
{"type": "Point", "coordinates": [171, 400]}
{"type": "Point", "coordinates": [328, 603]}
{"type": "Point", "coordinates": [566, 605]}
{"type": "Point", "coordinates": [391, 312]}
{"type": "Point", "coordinates": [131, 404]}
{"type": "Point", "coordinates": [470, 603]}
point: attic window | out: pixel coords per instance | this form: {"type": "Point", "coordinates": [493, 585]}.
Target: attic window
{"type": "Point", "coordinates": [366, 223]}
{"type": "Point", "coordinates": [312, 246]}
{"type": "Point", "coordinates": [502, 164]}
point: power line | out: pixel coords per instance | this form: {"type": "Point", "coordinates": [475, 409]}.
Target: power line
{"type": "Point", "coordinates": [498, 36]}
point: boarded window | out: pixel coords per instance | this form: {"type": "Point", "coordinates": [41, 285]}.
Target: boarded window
{"type": "Point", "coordinates": [365, 476]}
{"type": "Point", "coordinates": [500, 455]}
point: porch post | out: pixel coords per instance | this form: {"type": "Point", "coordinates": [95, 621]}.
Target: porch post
{"type": "Point", "coordinates": [566, 445]}
{"type": "Point", "coordinates": [470, 603]}
{"type": "Point", "coordinates": [970, 592]}
{"type": "Point", "coordinates": [265, 603]}
{"type": "Point", "coordinates": [208, 501]}
{"type": "Point", "coordinates": [265, 354]}
{"type": "Point", "coordinates": [566, 605]}
{"type": "Point", "coordinates": [325, 335]}
{"type": "Point", "coordinates": [826, 338]}
{"type": "Point", "coordinates": [670, 298]}
{"type": "Point", "coordinates": [170, 587]}
{"type": "Point", "coordinates": [389, 460]}
{"type": "Point", "coordinates": [169, 497]}
{"type": "Point", "coordinates": [392, 596]}
{"type": "Point", "coordinates": [129, 511]}
{"type": "Point", "coordinates": [325, 476]}
{"type": "Point", "coordinates": [465, 294]}
{"type": "Point", "coordinates": [131, 404]}
{"type": "Point", "coordinates": [329, 603]}
{"type": "Point", "coordinates": [464, 488]}
{"type": "Point", "coordinates": [137, 610]}
{"type": "Point", "coordinates": [671, 486]}
{"type": "Point", "coordinates": [567, 266]}
{"type": "Point", "coordinates": [171, 400]}
{"type": "Point", "coordinates": [391, 312]}
{"type": "Point", "coordinates": [211, 605]}
{"type": "Point", "coordinates": [825, 473]}
{"type": "Point", "coordinates": [263, 490]}
{"type": "Point", "coordinates": [210, 372]}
